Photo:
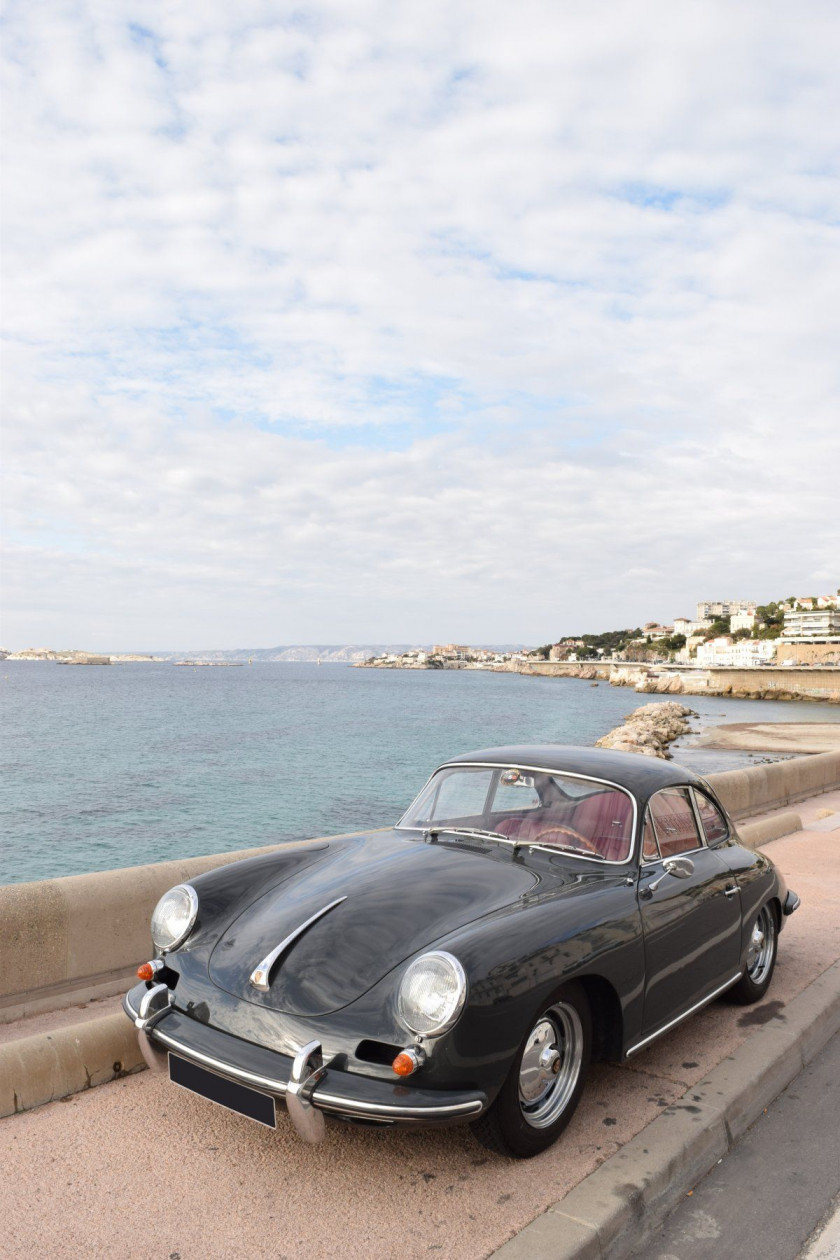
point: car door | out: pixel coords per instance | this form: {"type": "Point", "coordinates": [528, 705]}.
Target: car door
{"type": "Point", "coordinates": [691, 915]}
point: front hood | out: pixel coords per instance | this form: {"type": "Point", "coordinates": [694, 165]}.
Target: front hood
{"type": "Point", "coordinates": [401, 895]}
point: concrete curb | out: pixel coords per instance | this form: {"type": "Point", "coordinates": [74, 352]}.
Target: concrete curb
{"type": "Point", "coordinates": [616, 1207]}
{"type": "Point", "coordinates": [52, 1065]}
{"type": "Point", "coordinates": [762, 832]}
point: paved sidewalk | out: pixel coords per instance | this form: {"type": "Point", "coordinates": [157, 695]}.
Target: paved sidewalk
{"type": "Point", "coordinates": [138, 1168]}
{"type": "Point", "coordinates": [768, 1195]}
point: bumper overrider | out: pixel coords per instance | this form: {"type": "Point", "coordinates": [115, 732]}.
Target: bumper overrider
{"type": "Point", "coordinates": [309, 1087]}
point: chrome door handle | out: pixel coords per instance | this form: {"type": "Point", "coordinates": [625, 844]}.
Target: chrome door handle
{"type": "Point", "coordinates": [730, 892]}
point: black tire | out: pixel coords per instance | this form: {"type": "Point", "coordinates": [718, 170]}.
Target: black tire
{"type": "Point", "coordinates": [538, 1099]}
{"type": "Point", "coordinates": [761, 958]}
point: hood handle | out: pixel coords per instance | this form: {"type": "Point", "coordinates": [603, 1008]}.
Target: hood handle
{"type": "Point", "coordinates": [261, 975]}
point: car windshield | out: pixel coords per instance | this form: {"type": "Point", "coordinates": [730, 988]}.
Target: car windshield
{"type": "Point", "coordinates": [528, 806]}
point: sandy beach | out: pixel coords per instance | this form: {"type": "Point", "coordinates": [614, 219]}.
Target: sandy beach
{"type": "Point", "coordinates": [773, 737]}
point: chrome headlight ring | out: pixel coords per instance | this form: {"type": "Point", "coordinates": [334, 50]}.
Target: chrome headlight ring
{"type": "Point", "coordinates": [432, 993]}
{"type": "Point", "coordinates": [173, 918]}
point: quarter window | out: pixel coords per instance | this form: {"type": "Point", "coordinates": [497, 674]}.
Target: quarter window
{"type": "Point", "coordinates": [650, 849]}
{"type": "Point", "coordinates": [675, 822]}
{"type": "Point", "coordinates": [714, 823]}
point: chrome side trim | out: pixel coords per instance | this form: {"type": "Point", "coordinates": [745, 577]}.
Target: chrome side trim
{"type": "Point", "coordinates": [329, 1102]}
{"type": "Point", "coordinates": [673, 1023]}
{"type": "Point", "coordinates": [261, 975]}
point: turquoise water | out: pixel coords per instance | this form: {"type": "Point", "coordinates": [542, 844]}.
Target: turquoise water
{"type": "Point", "coordinates": [115, 766]}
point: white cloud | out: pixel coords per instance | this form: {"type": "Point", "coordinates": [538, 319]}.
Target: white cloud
{"type": "Point", "coordinates": [417, 322]}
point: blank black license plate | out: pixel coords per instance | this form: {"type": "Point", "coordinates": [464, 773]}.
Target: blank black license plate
{"type": "Point", "coordinates": [248, 1102]}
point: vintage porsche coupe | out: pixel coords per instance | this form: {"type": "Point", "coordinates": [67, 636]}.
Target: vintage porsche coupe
{"type": "Point", "coordinates": [535, 908]}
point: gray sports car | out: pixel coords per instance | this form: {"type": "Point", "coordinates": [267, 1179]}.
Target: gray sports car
{"type": "Point", "coordinates": [535, 908]}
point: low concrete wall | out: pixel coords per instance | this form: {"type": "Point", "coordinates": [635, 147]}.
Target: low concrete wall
{"type": "Point", "coordinates": [36, 1070]}
{"type": "Point", "coordinates": [756, 834]}
{"type": "Point", "coordinates": [57, 933]}
{"type": "Point", "coordinates": [758, 789]}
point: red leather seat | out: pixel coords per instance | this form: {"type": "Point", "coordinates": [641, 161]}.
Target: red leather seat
{"type": "Point", "coordinates": [606, 820]}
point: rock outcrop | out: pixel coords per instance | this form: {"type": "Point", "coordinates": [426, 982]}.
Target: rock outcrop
{"type": "Point", "coordinates": [650, 730]}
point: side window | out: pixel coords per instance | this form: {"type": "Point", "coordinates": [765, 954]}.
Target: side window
{"type": "Point", "coordinates": [650, 849]}
{"type": "Point", "coordinates": [714, 823]}
{"type": "Point", "coordinates": [676, 825]}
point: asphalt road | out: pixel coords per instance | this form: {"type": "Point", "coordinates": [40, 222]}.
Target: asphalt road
{"type": "Point", "coordinates": [775, 1189]}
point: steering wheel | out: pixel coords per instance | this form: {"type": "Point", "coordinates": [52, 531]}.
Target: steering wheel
{"type": "Point", "coordinates": [583, 841]}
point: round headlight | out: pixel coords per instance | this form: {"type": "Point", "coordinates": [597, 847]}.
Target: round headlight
{"type": "Point", "coordinates": [432, 993]}
{"type": "Point", "coordinates": [173, 917]}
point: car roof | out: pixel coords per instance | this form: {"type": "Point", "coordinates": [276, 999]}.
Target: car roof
{"type": "Point", "coordinates": [642, 775]}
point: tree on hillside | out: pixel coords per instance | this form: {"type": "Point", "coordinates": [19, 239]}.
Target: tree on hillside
{"type": "Point", "coordinates": [770, 619]}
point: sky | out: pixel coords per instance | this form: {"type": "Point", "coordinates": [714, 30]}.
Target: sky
{"type": "Point", "coordinates": [374, 322]}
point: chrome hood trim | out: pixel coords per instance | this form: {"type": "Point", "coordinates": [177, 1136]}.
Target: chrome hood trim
{"type": "Point", "coordinates": [261, 975]}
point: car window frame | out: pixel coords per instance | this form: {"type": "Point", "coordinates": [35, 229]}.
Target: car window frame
{"type": "Point", "coordinates": [710, 844]}
{"type": "Point", "coordinates": [635, 835]}
{"type": "Point", "coordinates": [701, 832]}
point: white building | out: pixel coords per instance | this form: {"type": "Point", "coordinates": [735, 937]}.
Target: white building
{"type": "Point", "coordinates": [818, 624]}
{"type": "Point", "coordinates": [746, 654]}
{"type": "Point", "coordinates": [752, 652]}
{"type": "Point", "coordinates": [724, 607]}
{"type": "Point", "coordinates": [742, 621]}
{"type": "Point", "coordinates": [682, 625]}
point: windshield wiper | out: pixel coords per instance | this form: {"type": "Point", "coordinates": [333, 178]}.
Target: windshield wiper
{"type": "Point", "coordinates": [478, 832]}
{"type": "Point", "coordinates": [561, 848]}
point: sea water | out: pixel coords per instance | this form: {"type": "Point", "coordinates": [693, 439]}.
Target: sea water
{"type": "Point", "coordinates": [107, 766]}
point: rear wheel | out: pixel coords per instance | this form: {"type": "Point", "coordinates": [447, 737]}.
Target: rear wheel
{"type": "Point", "coordinates": [542, 1090]}
{"type": "Point", "coordinates": [761, 959]}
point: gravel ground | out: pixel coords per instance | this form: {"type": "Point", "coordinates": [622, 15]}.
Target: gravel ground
{"type": "Point", "coordinates": [141, 1169]}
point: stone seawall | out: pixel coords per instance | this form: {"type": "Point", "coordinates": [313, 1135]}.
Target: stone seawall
{"type": "Point", "coordinates": [816, 684]}
{"type": "Point", "coordinates": [820, 683]}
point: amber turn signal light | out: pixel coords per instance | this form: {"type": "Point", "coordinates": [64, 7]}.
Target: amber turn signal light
{"type": "Point", "coordinates": [407, 1061]}
{"type": "Point", "coordinates": [145, 971]}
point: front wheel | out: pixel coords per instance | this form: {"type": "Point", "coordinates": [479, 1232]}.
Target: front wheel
{"type": "Point", "coordinates": [542, 1089]}
{"type": "Point", "coordinates": [761, 959]}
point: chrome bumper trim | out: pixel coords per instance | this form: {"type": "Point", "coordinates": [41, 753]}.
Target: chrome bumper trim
{"type": "Point", "coordinates": [325, 1101]}
{"type": "Point", "coordinates": [792, 902]}
{"type": "Point", "coordinates": [227, 1069]}
{"type": "Point", "coordinates": [333, 1102]}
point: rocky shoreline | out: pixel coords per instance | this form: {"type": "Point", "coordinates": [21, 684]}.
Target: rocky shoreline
{"type": "Point", "coordinates": [649, 730]}
{"type": "Point", "coordinates": [648, 681]}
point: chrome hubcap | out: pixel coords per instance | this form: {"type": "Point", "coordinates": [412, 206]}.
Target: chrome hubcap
{"type": "Point", "coordinates": [550, 1066]}
{"type": "Point", "coordinates": [760, 952]}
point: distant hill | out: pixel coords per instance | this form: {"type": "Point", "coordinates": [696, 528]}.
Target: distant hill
{"type": "Point", "coordinates": [327, 653]}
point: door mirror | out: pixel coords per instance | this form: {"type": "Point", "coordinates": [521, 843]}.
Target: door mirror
{"type": "Point", "coordinates": [681, 867]}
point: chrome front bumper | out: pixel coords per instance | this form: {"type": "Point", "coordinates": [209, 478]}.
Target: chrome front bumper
{"type": "Point", "coordinates": [307, 1085]}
